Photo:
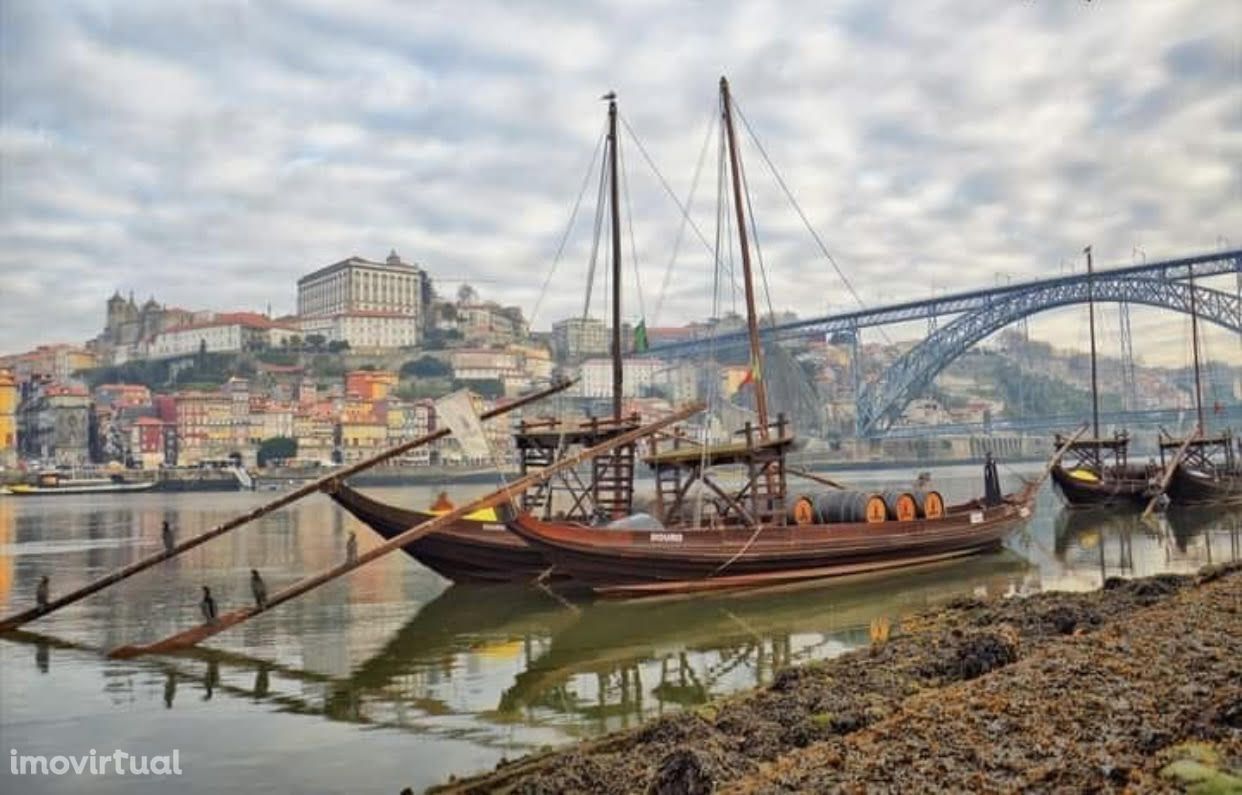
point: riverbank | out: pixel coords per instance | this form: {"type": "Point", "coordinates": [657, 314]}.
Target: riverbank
{"type": "Point", "coordinates": [1133, 686]}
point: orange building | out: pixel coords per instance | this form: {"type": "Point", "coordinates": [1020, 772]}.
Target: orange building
{"type": "Point", "coordinates": [8, 419]}
{"type": "Point", "coordinates": [370, 385]}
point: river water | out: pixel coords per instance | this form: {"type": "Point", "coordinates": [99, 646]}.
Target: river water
{"type": "Point", "coordinates": [392, 677]}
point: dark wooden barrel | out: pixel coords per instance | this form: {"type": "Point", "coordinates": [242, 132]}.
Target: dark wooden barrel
{"type": "Point", "coordinates": [901, 505]}
{"type": "Point", "coordinates": [834, 507]}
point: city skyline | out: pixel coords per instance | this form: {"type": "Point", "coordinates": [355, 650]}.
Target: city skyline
{"type": "Point", "coordinates": [213, 158]}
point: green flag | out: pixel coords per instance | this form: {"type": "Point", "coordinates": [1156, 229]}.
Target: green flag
{"type": "Point", "coordinates": [640, 337]}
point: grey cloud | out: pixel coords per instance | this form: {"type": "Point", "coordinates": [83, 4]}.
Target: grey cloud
{"type": "Point", "coordinates": [213, 156]}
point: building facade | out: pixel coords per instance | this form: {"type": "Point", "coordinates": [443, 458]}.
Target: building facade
{"type": "Point", "coordinates": [8, 419]}
{"type": "Point", "coordinates": [578, 338]}
{"type": "Point", "coordinates": [638, 377]}
{"type": "Point", "coordinates": [54, 424]}
{"type": "Point", "coordinates": [225, 332]}
{"type": "Point", "coordinates": [366, 304]}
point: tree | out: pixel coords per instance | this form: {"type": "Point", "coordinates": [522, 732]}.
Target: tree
{"type": "Point", "coordinates": [466, 295]}
{"type": "Point", "coordinates": [426, 367]}
{"type": "Point", "coordinates": [338, 346]}
{"type": "Point", "coordinates": [278, 448]}
{"type": "Point", "coordinates": [294, 341]}
{"type": "Point", "coordinates": [490, 388]}
{"type": "Point", "coordinates": [316, 341]}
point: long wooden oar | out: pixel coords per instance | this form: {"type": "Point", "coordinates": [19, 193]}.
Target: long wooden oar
{"type": "Point", "coordinates": [18, 619]}
{"type": "Point", "coordinates": [190, 637]}
{"type": "Point", "coordinates": [1167, 477]}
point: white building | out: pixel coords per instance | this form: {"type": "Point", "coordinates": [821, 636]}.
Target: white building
{"type": "Point", "coordinates": [367, 304]}
{"type": "Point", "coordinates": [577, 337]}
{"type": "Point", "coordinates": [637, 377]}
{"type": "Point", "coordinates": [224, 332]}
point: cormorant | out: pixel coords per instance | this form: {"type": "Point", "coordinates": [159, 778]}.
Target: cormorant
{"type": "Point", "coordinates": [351, 548]}
{"type": "Point", "coordinates": [43, 593]}
{"type": "Point", "coordinates": [259, 589]}
{"type": "Point", "coordinates": [208, 606]}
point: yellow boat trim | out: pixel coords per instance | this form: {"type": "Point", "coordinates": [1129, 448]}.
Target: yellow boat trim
{"type": "Point", "coordinates": [1084, 475]}
{"type": "Point", "coordinates": [481, 515]}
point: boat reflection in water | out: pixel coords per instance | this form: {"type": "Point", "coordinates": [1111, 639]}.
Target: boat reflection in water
{"type": "Point", "coordinates": [590, 667]}
{"type": "Point", "coordinates": [1094, 545]}
{"type": "Point", "coordinates": [516, 668]}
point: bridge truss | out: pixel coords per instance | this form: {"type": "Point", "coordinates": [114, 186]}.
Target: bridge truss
{"type": "Point", "coordinates": [980, 313]}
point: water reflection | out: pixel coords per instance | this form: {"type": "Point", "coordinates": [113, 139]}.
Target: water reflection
{"type": "Point", "coordinates": [1095, 545]}
{"type": "Point", "coordinates": [604, 665]}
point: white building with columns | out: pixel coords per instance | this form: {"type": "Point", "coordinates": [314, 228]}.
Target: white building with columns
{"type": "Point", "coordinates": [367, 304]}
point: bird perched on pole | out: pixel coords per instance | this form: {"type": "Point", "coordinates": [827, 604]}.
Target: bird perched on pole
{"type": "Point", "coordinates": [259, 589]}
{"type": "Point", "coordinates": [208, 606]}
{"type": "Point", "coordinates": [351, 548]}
{"type": "Point", "coordinates": [43, 593]}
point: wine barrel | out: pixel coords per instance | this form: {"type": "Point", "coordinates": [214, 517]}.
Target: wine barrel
{"type": "Point", "coordinates": [901, 505]}
{"type": "Point", "coordinates": [849, 506]}
{"type": "Point", "coordinates": [802, 510]}
{"type": "Point", "coordinates": [930, 504]}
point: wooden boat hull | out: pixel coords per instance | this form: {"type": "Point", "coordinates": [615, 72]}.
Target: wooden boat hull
{"type": "Point", "coordinates": [618, 562]}
{"type": "Point", "coordinates": [1189, 487]}
{"type": "Point", "coordinates": [466, 551]}
{"type": "Point", "coordinates": [1111, 491]}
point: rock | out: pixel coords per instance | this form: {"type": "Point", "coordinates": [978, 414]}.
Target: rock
{"type": "Point", "coordinates": [681, 773]}
{"type": "Point", "coordinates": [979, 654]}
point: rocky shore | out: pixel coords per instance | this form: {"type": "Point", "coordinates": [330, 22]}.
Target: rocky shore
{"type": "Point", "coordinates": [1135, 687]}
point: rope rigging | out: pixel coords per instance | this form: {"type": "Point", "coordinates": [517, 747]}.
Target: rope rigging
{"type": "Point", "coordinates": [629, 211]}
{"type": "Point", "coordinates": [573, 216]}
{"type": "Point", "coordinates": [600, 208]}
{"type": "Point", "coordinates": [681, 228]}
{"type": "Point", "coordinates": [802, 215]}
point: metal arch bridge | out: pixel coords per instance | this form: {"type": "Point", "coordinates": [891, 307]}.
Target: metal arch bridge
{"type": "Point", "coordinates": [983, 312]}
{"type": "Point", "coordinates": [881, 402]}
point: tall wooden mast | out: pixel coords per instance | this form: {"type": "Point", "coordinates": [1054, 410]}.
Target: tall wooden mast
{"type": "Point", "coordinates": [1095, 387]}
{"type": "Point", "coordinates": [752, 320]}
{"type": "Point", "coordinates": [615, 207]}
{"type": "Point", "coordinates": [1194, 342]}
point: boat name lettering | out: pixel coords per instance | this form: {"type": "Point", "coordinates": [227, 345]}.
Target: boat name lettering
{"type": "Point", "coordinates": [666, 538]}
{"type": "Point", "coordinates": [976, 517]}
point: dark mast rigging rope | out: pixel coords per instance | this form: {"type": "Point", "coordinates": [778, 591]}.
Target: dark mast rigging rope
{"type": "Point", "coordinates": [802, 215]}
{"type": "Point", "coordinates": [573, 216]}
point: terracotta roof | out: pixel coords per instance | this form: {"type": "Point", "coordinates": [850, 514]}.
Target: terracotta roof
{"type": "Point", "coordinates": [246, 319]}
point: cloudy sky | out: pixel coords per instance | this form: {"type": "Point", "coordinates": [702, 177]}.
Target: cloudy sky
{"type": "Point", "coordinates": [210, 153]}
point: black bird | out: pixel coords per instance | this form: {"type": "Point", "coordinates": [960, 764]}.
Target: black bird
{"type": "Point", "coordinates": [43, 593]}
{"type": "Point", "coordinates": [166, 532]}
{"type": "Point", "coordinates": [208, 606]}
{"type": "Point", "coordinates": [351, 548]}
{"type": "Point", "coordinates": [259, 589]}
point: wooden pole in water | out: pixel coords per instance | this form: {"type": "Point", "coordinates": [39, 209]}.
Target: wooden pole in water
{"type": "Point", "coordinates": [18, 619]}
{"type": "Point", "coordinates": [193, 636]}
